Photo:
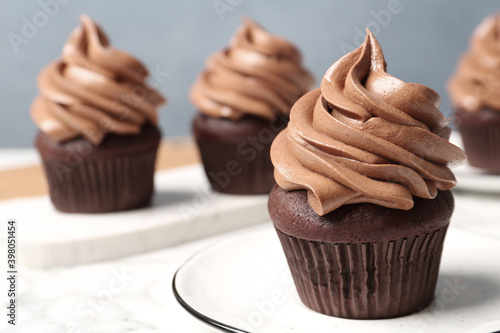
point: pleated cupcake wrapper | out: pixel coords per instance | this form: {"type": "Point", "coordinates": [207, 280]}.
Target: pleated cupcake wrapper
{"type": "Point", "coordinates": [99, 186]}
{"type": "Point", "coordinates": [482, 145]}
{"type": "Point", "coordinates": [234, 172]}
{"type": "Point", "coordinates": [366, 280]}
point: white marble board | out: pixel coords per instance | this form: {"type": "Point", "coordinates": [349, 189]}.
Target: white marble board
{"type": "Point", "coordinates": [183, 209]}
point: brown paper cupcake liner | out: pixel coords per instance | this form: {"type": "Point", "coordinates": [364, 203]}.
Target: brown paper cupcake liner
{"type": "Point", "coordinates": [233, 172]}
{"type": "Point", "coordinates": [482, 145]}
{"type": "Point", "coordinates": [366, 280]}
{"type": "Point", "coordinates": [102, 185]}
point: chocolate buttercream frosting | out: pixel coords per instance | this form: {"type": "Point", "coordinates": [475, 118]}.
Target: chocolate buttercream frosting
{"type": "Point", "coordinates": [93, 89]}
{"type": "Point", "coordinates": [365, 136]}
{"type": "Point", "coordinates": [476, 82]}
{"type": "Point", "coordinates": [259, 74]}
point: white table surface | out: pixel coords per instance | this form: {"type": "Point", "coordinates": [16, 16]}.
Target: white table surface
{"type": "Point", "coordinates": [134, 294]}
{"type": "Point", "coordinates": [90, 298]}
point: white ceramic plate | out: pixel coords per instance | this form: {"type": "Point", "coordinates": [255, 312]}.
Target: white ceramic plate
{"type": "Point", "coordinates": [242, 284]}
{"type": "Point", "coordinates": [473, 179]}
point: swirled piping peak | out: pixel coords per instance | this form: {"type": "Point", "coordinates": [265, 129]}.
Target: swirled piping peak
{"type": "Point", "coordinates": [365, 136]}
{"type": "Point", "coordinates": [259, 74]}
{"type": "Point", "coordinates": [93, 89]}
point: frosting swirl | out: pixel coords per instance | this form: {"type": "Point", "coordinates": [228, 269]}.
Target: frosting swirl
{"type": "Point", "coordinates": [365, 136]}
{"type": "Point", "coordinates": [259, 74]}
{"type": "Point", "coordinates": [476, 82]}
{"type": "Point", "coordinates": [93, 89]}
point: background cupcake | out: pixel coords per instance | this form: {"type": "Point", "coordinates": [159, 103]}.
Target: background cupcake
{"type": "Point", "coordinates": [475, 93]}
{"type": "Point", "coordinates": [244, 96]}
{"type": "Point", "coordinates": [97, 118]}
{"type": "Point", "coordinates": [362, 203]}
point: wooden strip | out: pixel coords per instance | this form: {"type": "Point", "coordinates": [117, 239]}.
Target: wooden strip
{"type": "Point", "coordinates": [30, 181]}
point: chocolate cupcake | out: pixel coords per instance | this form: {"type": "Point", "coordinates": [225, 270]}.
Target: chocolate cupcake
{"type": "Point", "coordinates": [362, 200]}
{"type": "Point", "coordinates": [475, 94]}
{"type": "Point", "coordinates": [244, 96]}
{"type": "Point", "coordinates": [97, 117]}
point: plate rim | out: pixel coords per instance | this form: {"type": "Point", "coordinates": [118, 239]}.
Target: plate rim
{"type": "Point", "coordinates": [207, 320]}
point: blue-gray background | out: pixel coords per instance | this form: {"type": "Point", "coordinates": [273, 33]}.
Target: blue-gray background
{"type": "Point", "coordinates": [421, 41]}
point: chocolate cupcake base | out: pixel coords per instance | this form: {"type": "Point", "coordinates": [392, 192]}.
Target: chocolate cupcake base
{"type": "Point", "coordinates": [116, 175]}
{"type": "Point", "coordinates": [362, 261]}
{"type": "Point", "coordinates": [481, 138]}
{"type": "Point", "coordinates": [366, 280]}
{"type": "Point", "coordinates": [236, 154]}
